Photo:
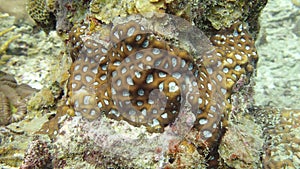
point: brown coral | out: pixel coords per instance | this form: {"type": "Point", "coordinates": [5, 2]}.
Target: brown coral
{"type": "Point", "coordinates": [75, 41]}
{"type": "Point", "coordinates": [160, 70]}
{"type": "Point", "coordinates": [281, 128]}
{"type": "Point", "coordinates": [142, 79]}
{"type": "Point", "coordinates": [13, 106]}
{"type": "Point", "coordinates": [5, 110]}
{"type": "Point", "coordinates": [88, 74]}
{"type": "Point", "coordinates": [237, 51]}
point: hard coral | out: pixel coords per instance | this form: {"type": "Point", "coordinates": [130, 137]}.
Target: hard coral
{"type": "Point", "coordinates": [41, 13]}
{"type": "Point", "coordinates": [75, 41]}
{"type": "Point", "coordinates": [140, 78]}
{"type": "Point", "coordinates": [57, 14]}
{"type": "Point", "coordinates": [242, 144]}
{"type": "Point", "coordinates": [159, 70]}
{"type": "Point", "coordinates": [13, 96]}
{"type": "Point", "coordinates": [106, 11]}
{"type": "Point", "coordinates": [281, 128]}
{"type": "Point", "coordinates": [5, 45]}
{"type": "Point", "coordinates": [211, 15]}
{"type": "Point", "coordinates": [236, 48]}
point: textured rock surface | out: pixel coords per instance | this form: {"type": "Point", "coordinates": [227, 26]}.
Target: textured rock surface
{"type": "Point", "coordinates": [32, 56]}
{"type": "Point", "coordinates": [278, 77]}
{"type": "Point", "coordinates": [280, 128]}
{"type": "Point", "coordinates": [245, 135]}
{"type": "Point", "coordinates": [33, 59]}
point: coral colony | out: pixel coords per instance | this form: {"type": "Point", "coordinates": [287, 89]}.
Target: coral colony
{"type": "Point", "coordinates": [133, 74]}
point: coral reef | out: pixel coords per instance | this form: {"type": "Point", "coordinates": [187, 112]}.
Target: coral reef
{"type": "Point", "coordinates": [105, 11]}
{"type": "Point", "coordinates": [37, 156]}
{"type": "Point", "coordinates": [165, 81]}
{"type": "Point", "coordinates": [281, 128]}
{"type": "Point", "coordinates": [135, 54]}
{"type": "Point", "coordinates": [278, 43]}
{"type": "Point", "coordinates": [242, 144]}
{"type": "Point", "coordinates": [43, 98]}
{"type": "Point", "coordinates": [16, 137]}
{"type": "Point", "coordinates": [11, 153]}
{"type": "Point", "coordinates": [101, 140]}
{"type": "Point", "coordinates": [156, 54]}
{"type": "Point", "coordinates": [223, 14]}
{"type": "Point", "coordinates": [59, 15]}
{"type": "Point", "coordinates": [75, 42]}
{"type": "Point", "coordinates": [215, 15]}
{"type": "Point", "coordinates": [25, 56]}
{"type": "Point", "coordinates": [13, 96]}
{"type": "Point", "coordinates": [114, 94]}
{"type": "Point", "coordinates": [52, 126]}
{"type": "Point", "coordinates": [208, 15]}
{"type": "Point", "coordinates": [41, 12]}
{"type": "Point", "coordinates": [68, 12]}
{"type": "Point", "coordinates": [31, 59]}
{"type": "Point", "coordinates": [7, 36]}
{"type": "Point", "coordinates": [236, 46]}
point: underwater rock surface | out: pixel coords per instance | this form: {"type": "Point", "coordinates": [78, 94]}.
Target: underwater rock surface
{"type": "Point", "coordinates": [277, 80]}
